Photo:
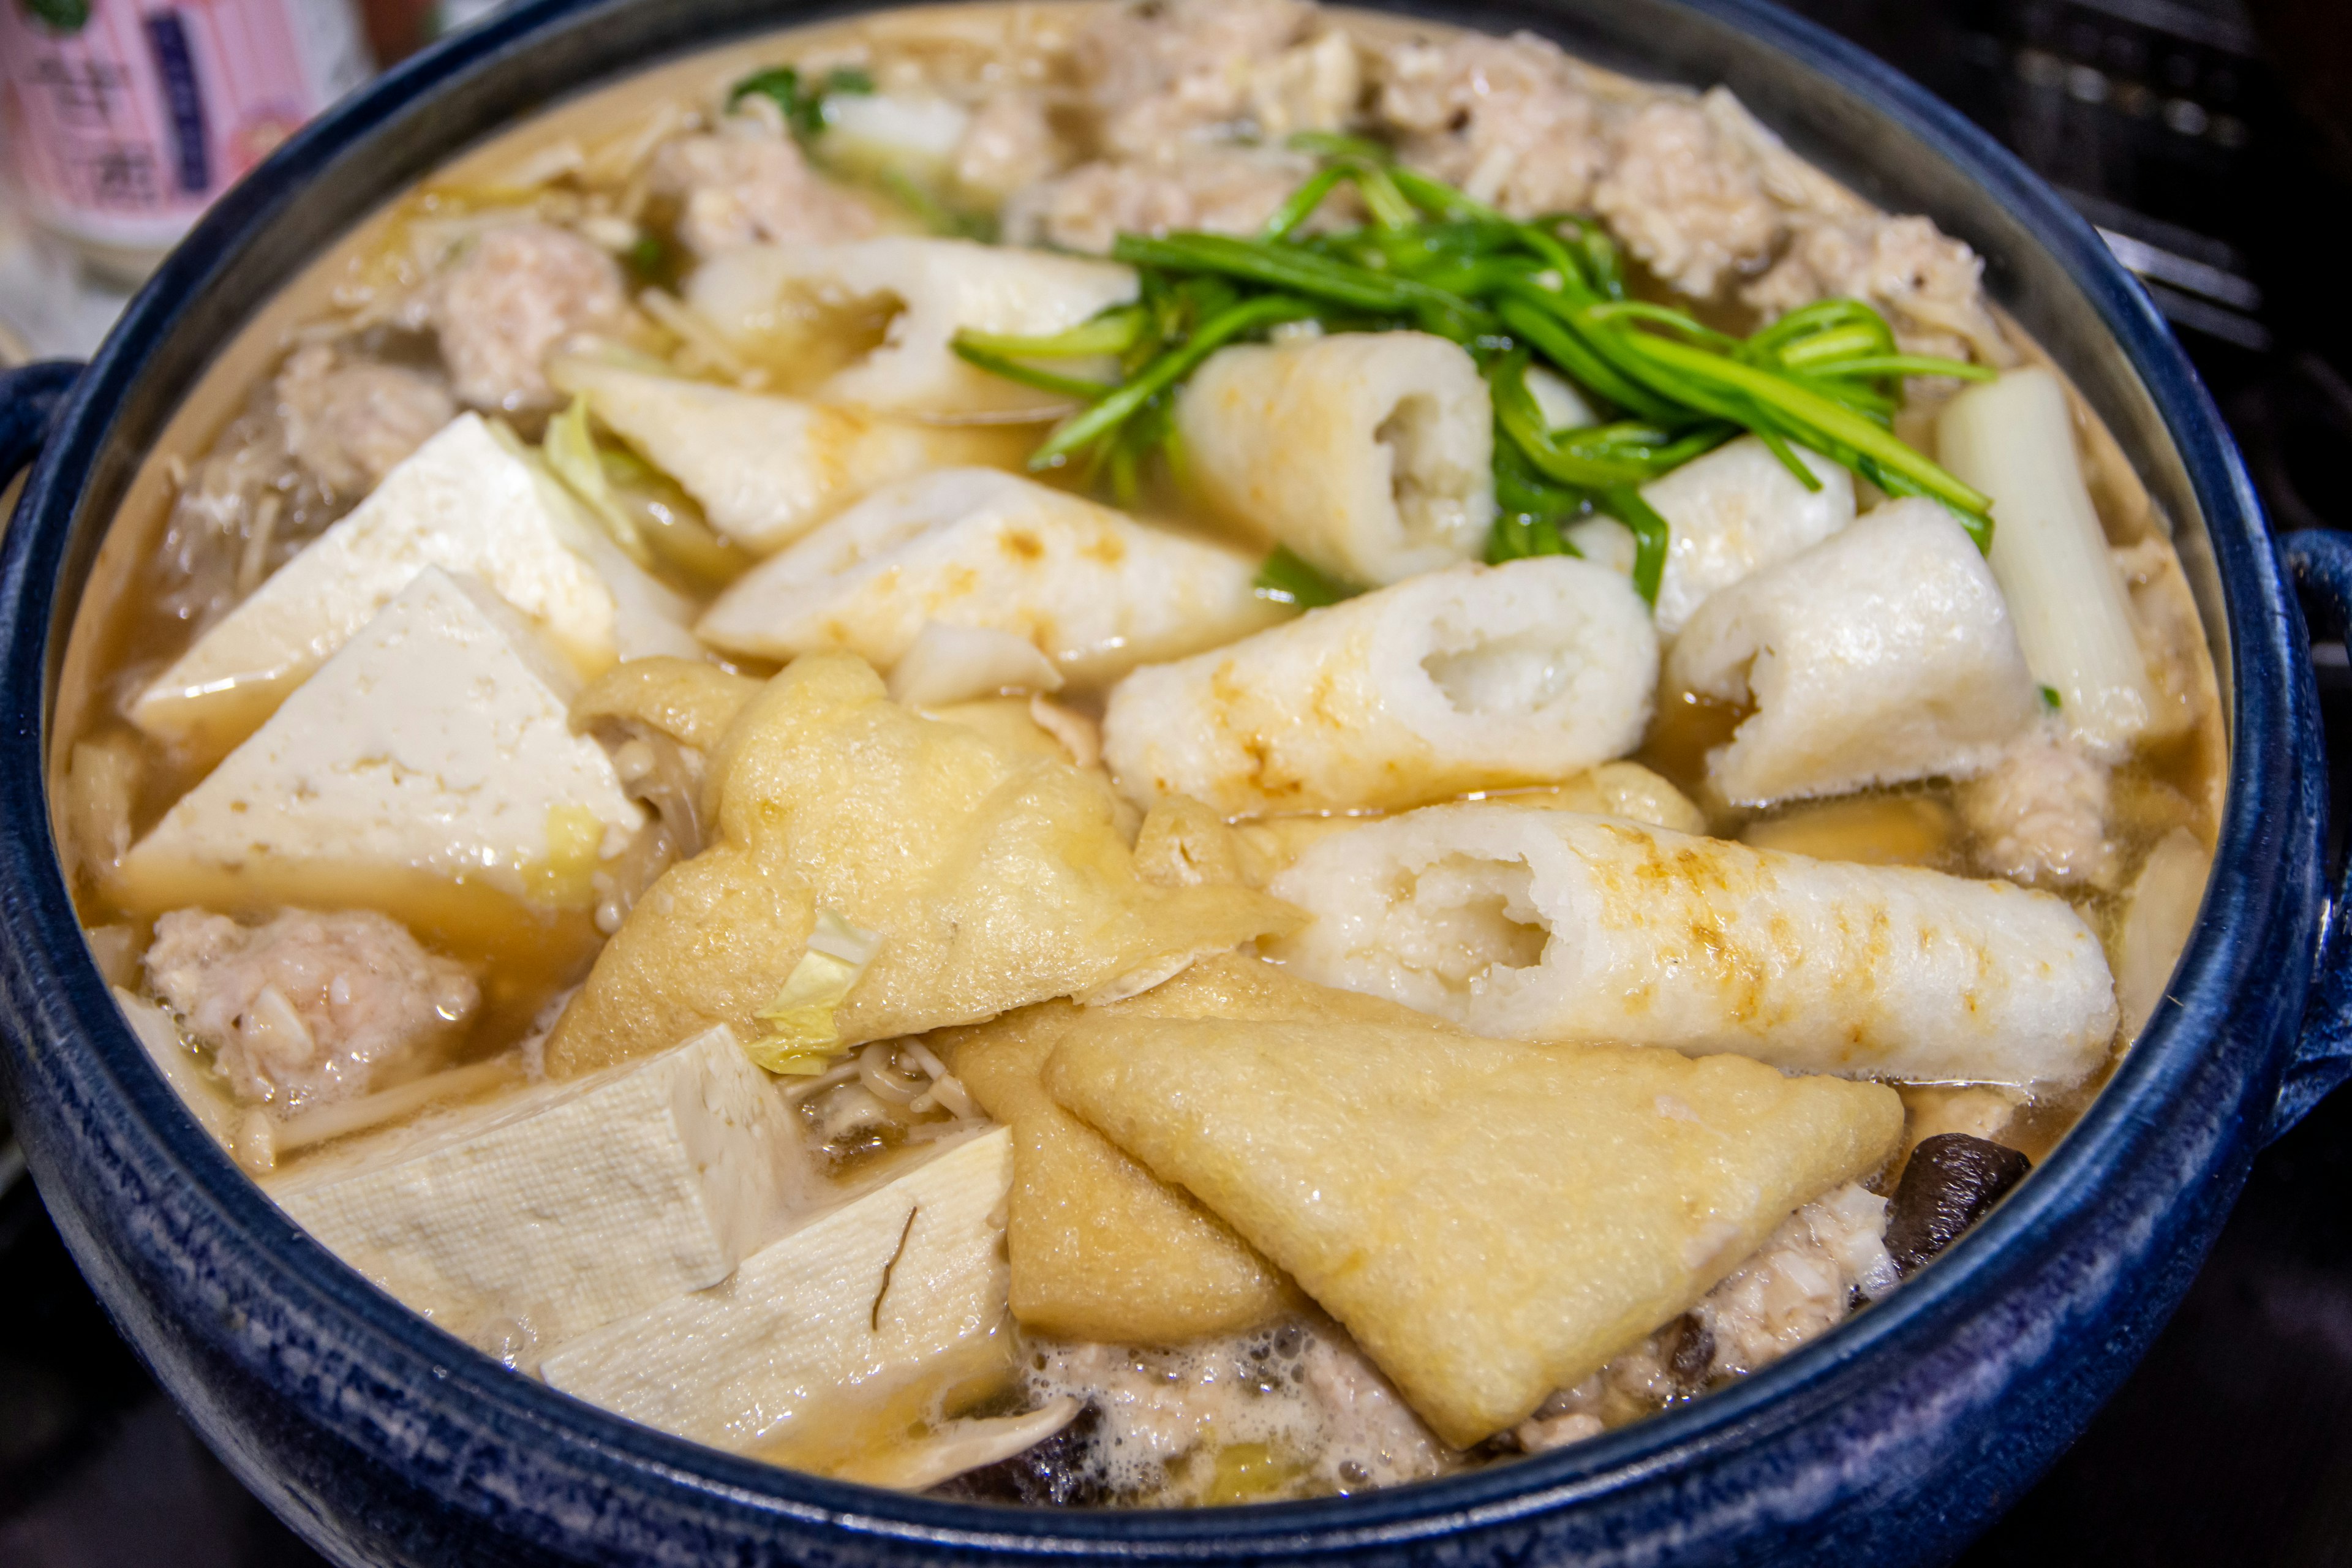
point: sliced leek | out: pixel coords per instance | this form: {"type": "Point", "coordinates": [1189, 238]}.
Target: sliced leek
{"type": "Point", "coordinates": [2015, 440]}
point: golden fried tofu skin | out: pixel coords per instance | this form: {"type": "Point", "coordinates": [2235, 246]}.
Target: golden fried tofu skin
{"type": "Point", "coordinates": [1102, 1250]}
{"type": "Point", "coordinates": [1490, 1220]}
{"type": "Point", "coordinates": [995, 878]}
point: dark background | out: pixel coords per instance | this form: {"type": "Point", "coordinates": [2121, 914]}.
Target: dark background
{"type": "Point", "coordinates": [2212, 142]}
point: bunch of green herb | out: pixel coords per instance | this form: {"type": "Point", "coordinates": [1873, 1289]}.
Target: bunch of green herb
{"type": "Point", "coordinates": [1516, 294]}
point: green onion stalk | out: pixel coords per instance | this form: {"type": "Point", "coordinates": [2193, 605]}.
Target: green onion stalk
{"type": "Point", "coordinates": [1520, 296]}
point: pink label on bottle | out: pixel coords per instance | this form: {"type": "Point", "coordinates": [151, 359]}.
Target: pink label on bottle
{"type": "Point", "coordinates": [125, 118]}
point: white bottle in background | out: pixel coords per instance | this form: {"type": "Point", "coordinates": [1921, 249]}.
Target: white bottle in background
{"type": "Point", "coordinates": [121, 120]}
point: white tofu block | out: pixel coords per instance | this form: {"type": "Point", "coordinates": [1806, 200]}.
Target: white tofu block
{"type": "Point", "coordinates": [1882, 654]}
{"type": "Point", "coordinates": [1532, 924]}
{"type": "Point", "coordinates": [1371, 454]}
{"type": "Point", "coordinates": [936, 287]}
{"type": "Point", "coordinates": [463, 501]}
{"type": "Point", "coordinates": [1094, 590]}
{"type": "Point", "coordinates": [840, 1310]}
{"type": "Point", "coordinates": [537, 1216]}
{"type": "Point", "coordinates": [1474, 677]}
{"type": "Point", "coordinates": [430, 762]}
{"type": "Point", "coordinates": [765, 470]}
{"type": "Point", "coordinates": [1737, 511]}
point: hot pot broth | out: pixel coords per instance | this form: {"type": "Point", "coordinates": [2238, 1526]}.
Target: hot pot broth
{"type": "Point", "coordinates": [644, 777]}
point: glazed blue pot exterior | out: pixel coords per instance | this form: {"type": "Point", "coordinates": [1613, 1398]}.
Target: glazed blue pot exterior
{"type": "Point", "coordinates": [1893, 1440]}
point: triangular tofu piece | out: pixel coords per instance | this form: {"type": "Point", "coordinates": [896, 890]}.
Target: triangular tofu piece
{"type": "Point", "coordinates": [715, 944]}
{"type": "Point", "coordinates": [995, 877]}
{"type": "Point", "coordinates": [901, 1290]}
{"type": "Point", "coordinates": [428, 770]}
{"type": "Point", "coordinates": [765, 468]}
{"type": "Point", "coordinates": [463, 501]}
{"type": "Point", "coordinates": [557, 1207]}
{"type": "Point", "coordinates": [1101, 1249]}
{"type": "Point", "coordinates": [1491, 1221]}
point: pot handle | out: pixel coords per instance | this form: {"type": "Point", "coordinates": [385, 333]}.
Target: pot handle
{"type": "Point", "coordinates": [2320, 562]}
{"type": "Point", "coordinates": [30, 396]}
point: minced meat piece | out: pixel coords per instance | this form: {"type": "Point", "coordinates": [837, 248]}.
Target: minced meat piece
{"type": "Point", "coordinates": [2041, 814]}
{"type": "Point", "coordinates": [1315, 86]}
{"type": "Point", "coordinates": [1802, 1282]}
{"type": "Point", "coordinates": [1929, 286]}
{"type": "Point", "coordinates": [749, 184]}
{"type": "Point", "coordinates": [1559, 1422]}
{"type": "Point", "coordinates": [1799, 189]}
{"type": "Point", "coordinates": [1686, 198]}
{"type": "Point", "coordinates": [1194, 101]}
{"type": "Point", "coordinates": [1367, 1424]}
{"type": "Point", "coordinates": [1160, 75]}
{"type": "Point", "coordinates": [2171, 637]}
{"type": "Point", "coordinates": [350, 422]}
{"type": "Point", "coordinates": [511, 296]}
{"type": "Point", "coordinates": [304, 1010]}
{"type": "Point", "coordinates": [1302, 1388]}
{"type": "Point", "coordinates": [1507, 119]}
{"type": "Point", "coordinates": [1223, 190]}
{"type": "Point", "coordinates": [1009, 143]}
{"type": "Point", "coordinates": [1798, 1286]}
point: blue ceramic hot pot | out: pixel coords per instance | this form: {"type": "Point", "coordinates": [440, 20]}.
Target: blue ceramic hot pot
{"type": "Point", "coordinates": [1893, 1440]}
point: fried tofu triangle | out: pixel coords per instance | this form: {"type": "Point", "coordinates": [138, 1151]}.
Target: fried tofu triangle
{"type": "Point", "coordinates": [1101, 1249]}
{"type": "Point", "coordinates": [995, 877]}
{"type": "Point", "coordinates": [710, 943]}
{"type": "Point", "coordinates": [1490, 1220]}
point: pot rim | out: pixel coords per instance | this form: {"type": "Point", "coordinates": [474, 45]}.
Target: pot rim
{"type": "Point", "coordinates": [2263, 809]}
